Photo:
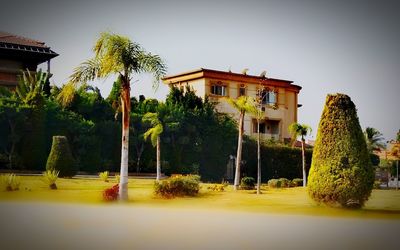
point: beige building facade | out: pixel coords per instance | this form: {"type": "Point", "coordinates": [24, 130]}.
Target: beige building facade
{"type": "Point", "coordinates": [279, 97]}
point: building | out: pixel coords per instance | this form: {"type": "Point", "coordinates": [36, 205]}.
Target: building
{"type": "Point", "coordinates": [279, 100]}
{"type": "Point", "coordinates": [19, 53]}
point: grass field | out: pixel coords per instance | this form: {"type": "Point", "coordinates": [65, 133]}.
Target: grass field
{"type": "Point", "coordinates": [382, 203]}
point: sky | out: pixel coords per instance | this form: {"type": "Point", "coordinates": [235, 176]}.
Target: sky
{"type": "Point", "coordinates": [327, 47]}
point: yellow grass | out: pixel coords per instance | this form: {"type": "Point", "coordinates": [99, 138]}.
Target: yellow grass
{"type": "Point", "coordinates": [382, 203]}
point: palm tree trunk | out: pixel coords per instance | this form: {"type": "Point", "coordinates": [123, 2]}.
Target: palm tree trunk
{"type": "Point", "coordinates": [304, 163]}
{"type": "Point", "coordinates": [139, 152]}
{"type": "Point", "coordinates": [126, 108]}
{"type": "Point", "coordinates": [239, 152]}
{"type": "Point", "coordinates": [158, 159]}
{"type": "Point", "coordinates": [258, 158]}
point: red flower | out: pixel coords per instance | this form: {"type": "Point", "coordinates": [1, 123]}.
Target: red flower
{"type": "Point", "coordinates": [111, 194]}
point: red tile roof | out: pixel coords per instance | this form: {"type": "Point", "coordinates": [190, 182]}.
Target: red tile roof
{"type": "Point", "coordinates": [19, 40]}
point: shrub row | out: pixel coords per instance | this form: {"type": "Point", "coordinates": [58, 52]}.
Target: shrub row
{"type": "Point", "coordinates": [284, 183]}
{"type": "Point", "coordinates": [276, 161]}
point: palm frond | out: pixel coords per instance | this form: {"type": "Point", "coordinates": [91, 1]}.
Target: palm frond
{"type": "Point", "coordinates": [87, 71]}
{"type": "Point", "coordinates": [151, 118]}
{"type": "Point", "coordinates": [154, 133]}
{"type": "Point", "coordinates": [297, 129]}
{"type": "Point", "coordinates": [242, 104]}
{"type": "Point", "coordinates": [151, 64]}
{"type": "Point", "coordinates": [66, 95]}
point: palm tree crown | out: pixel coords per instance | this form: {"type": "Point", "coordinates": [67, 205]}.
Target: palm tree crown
{"type": "Point", "coordinates": [297, 129]}
{"type": "Point", "coordinates": [374, 139]}
{"type": "Point", "coordinates": [116, 54]}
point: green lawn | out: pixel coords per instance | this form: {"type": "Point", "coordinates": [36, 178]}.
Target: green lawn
{"type": "Point", "coordinates": [382, 203]}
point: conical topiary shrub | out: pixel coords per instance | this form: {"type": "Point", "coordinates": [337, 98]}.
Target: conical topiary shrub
{"type": "Point", "coordinates": [341, 172]}
{"type": "Point", "coordinates": [60, 158]}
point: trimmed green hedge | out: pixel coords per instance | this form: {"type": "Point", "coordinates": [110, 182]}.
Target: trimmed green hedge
{"type": "Point", "coordinates": [341, 172]}
{"type": "Point", "coordinates": [277, 161]}
{"type": "Point", "coordinates": [60, 158]}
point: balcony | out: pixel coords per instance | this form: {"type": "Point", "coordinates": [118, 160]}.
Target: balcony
{"type": "Point", "coordinates": [266, 136]}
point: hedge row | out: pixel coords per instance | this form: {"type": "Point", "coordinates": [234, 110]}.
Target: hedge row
{"type": "Point", "coordinates": [277, 161]}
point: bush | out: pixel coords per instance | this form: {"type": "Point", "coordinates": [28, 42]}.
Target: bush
{"type": "Point", "coordinates": [10, 182]}
{"type": "Point", "coordinates": [341, 172]}
{"type": "Point", "coordinates": [104, 176]}
{"type": "Point", "coordinates": [50, 177]}
{"type": "Point", "coordinates": [217, 187]}
{"type": "Point", "coordinates": [247, 183]}
{"type": "Point", "coordinates": [117, 178]}
{"type": "Point", "coordinates": [297, 182]}
{"type": "Point", "coordinates": [111, 194]}
{"type": "Point", "coordinates": [274, 183]}
{"type": "Point", "coordinates": [60, 158]}
{"type": "Point", "coordinates": [178, 186]}
{"type": "Point", "coordinates": [278, 161]}
{"type": "Point", "coordinates": [377, 185]}
{"type": "Point", "coordinates": [284, 182]}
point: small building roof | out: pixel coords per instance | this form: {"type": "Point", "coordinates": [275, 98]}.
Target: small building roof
{"type": "Point", "coordinates": [16, 46]}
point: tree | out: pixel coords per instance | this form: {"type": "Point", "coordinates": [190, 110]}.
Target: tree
{"type": "Point", "coordinates": [141, 107]}
{"type": "Point", "coordinates": [297, 129]}
{"type": "Point", "coordinates": [165, 117]}
{"type": "Point", "coordinates": [118, 55]}
{"type": "Point", "coordinates": [14, 115]}
{"type": "Point", "coordinates": [243, 105]}
{"type": "Point", "coordinates": [341, 172]}
{"type": "Point", "coordinates": [60, 158]}
{"type": "Point", "coordinates": [374, 139]}
{"type": "Point", "coordinates": [30, 88]}
{"type": "Point", "coordinates": [398, 136]}
{"type": "Point", "coordinates": [395, 153]}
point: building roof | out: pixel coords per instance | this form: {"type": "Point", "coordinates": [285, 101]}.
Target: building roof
{"type": "Point", "coordinates": [13, 45]}
{"type": "Point", "coordinates": [6, 37]}
{"type": "Point", "coordinates": [223, 75]}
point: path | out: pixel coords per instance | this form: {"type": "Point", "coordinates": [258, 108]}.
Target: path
{"type": "Point", "coordinates": [70, 226]}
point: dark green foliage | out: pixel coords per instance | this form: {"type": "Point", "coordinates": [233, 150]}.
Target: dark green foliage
{"type": "Point", "coordinates": [284, 182]}
{"type": "Point", "coordinates": [277, 161]}
{"type": "Point", "coordinates": [341, 171]}
{"type": "Point", "coordinates": [178, 186]}
{"type": "Point", "coordinates": [60, 158]}
{"type": "Point", "coordinates": [374, 159]}
{"type": "Point", "coordinates": [296, 182]}
{"type": "Point", "coordinates": [274, 183]}
{"type": "Point", "coordinates": [247, 183]}
{"type": "Point", "coordinates": [196, 146]}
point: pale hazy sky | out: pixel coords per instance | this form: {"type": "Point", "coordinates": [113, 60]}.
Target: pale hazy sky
{"type": "Point", "coordinates": [351, 47]}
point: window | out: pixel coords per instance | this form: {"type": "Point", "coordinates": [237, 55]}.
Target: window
{"type": "Point", "coordinates": [270, 127]}
{"type": "Point", "coordinates": [262, 127]}
{"type": "Point", "coordinates": [242, 90]}
{"type": "Point", "coordinates": [217, 89]}
{"type": "Point", "coordinates": [268, 97]}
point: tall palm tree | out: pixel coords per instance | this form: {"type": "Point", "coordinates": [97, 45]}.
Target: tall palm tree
{"type": "Point", "coordinates": [119, 56]}
{"type": "Point", "coordinates": [166, 117]}
{"type": "Point", "coordinates": [243, 105]}
{"type": "Point", "coordinates": [374, 139]}
{"type": "Point", "coordinates": [297, 129]}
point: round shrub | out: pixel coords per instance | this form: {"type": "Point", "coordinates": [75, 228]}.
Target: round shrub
{"type": "Point", "coordinates": [60, 158]}
{"type": "Point", "coordinates": [284, 182]}
{"type": "Point", "coordinates": [178, 185]}
{"type": "Point", "coordinates": [297, 182]}
{"type": "Point", "coordinates": [247, 183]}
{"type": "Point", "coordinates": [341, 172]}
{"type": "Point", "coordinates": [274, 183]}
